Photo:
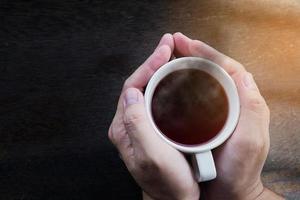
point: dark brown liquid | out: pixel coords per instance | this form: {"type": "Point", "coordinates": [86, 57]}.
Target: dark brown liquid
{"type": "Point", "coordinates": [189, 106]}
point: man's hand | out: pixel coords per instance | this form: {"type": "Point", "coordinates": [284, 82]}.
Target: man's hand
{"type": "Point", "coordinates": [239, 161]}
{"type": "Point", "coordinates": [160, 170]}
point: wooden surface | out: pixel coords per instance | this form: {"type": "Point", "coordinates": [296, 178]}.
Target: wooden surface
{"type": "Point", "coordinates": [62, 64]}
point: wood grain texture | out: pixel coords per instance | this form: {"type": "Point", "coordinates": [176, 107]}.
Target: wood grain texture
{"type": "Point", "coordinates": [62, 64]}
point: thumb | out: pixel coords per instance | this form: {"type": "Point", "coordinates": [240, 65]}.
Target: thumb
{"type": "Point", "coordinates": [137, 125]}
{"type": "Point", "coordinates": [254, 110]}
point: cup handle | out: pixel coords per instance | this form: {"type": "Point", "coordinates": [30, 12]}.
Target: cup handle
{"type": "Point", "coordinates": [204, 166]}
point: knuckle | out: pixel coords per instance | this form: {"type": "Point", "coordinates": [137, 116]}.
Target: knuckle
{"type": "Point", "coordinates": [132, 119]}
{"type": "Point", "coordinates": [116, 133]}
{"type": "Point", "coordinates": [257, 103]}
{"type": "Point", "coordinates": [227, 62]}
{"type": "Point", "coordinates": [232, 65]}
{"type": "Point", "coordinates": [110, 134]}
{"type": "Point", "coordinates": [238, 65]}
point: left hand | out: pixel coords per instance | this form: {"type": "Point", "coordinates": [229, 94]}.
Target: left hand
{"type": "Point", "coordinates": [160, 170]}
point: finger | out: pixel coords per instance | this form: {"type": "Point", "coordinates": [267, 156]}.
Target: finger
{"type": "Point", "coordinates": [121, 141]}
{"type": "Point", "coordinates": [160, 56]}
{"type": "Point", "coordinates": [136, 123]}
{"type": "Point", "coordinates": [167, 39]}
{"type": "Point", "coordinates": [139, 79]}
{"type": "Point", "coordinates": [254, 116]}
{"type": "Point", "coordinates": [185, 46]}
{"type": "Point", "coordinates": [141, 76]}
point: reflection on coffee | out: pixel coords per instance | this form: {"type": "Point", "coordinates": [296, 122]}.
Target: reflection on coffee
{"type": "Point", "coordinates": [189, 106]}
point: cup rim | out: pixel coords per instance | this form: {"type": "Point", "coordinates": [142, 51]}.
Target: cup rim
{"type": "Point", "coordinates": [223, 78]}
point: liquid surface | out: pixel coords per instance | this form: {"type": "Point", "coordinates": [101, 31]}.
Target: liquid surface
{"type": "Point", "coordinates": [189, 106]}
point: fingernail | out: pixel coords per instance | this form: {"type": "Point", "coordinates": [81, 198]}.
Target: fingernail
{"type": "Point", "coordinates": [131, 97]}
{"type": "Point", "coordinates": [178, 33]}
{"type": "Point", "coordinates": [167, 34]}
{"type": "Point", "coordinates": [162, 40]}
{"type": "Point", "coordinates": [248, 81]}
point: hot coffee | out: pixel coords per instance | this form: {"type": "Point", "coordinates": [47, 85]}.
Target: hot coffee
{"type": "Point", "coordinates": [189, 106]}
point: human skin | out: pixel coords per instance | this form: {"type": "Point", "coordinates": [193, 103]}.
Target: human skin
{"type": "Point", "coordinates": [151, 161]}
{"type": "Point", "coordinates": [159, 169]}
{"type": "Point", "coordinates": [239, 161]}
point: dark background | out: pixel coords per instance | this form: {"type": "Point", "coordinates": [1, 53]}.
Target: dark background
{"type": "Point", "coordinates": [63, 63]}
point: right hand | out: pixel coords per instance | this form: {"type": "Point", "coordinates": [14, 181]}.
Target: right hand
{"type": "Point", "coordinates": [239, 161]}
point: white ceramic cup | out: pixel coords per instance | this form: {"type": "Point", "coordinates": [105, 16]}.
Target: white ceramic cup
{"type": "Point", "coordinates": [202, 158]}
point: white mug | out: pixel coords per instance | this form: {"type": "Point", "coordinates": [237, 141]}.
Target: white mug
{"type": "Point", "coordinates": [202, 158]}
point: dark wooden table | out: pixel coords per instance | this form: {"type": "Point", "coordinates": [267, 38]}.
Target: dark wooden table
{"type": "Point", "coordinates": [62, 64]}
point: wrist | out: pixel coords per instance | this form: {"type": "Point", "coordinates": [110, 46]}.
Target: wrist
{"type": "Point", "coordinates": [268, 194]}
{"type": "Point", "coordinates": [233, 191]}
{"type": "Point", "coordinates": [190, 197]}
{"type": "Point", "coordinates": [252, 192]}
